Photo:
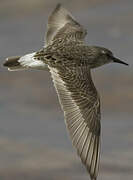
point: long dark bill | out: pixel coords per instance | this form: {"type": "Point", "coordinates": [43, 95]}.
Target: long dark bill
{"type": "Point", "coordinates": [119, 61]}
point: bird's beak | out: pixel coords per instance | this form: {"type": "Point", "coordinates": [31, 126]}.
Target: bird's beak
{"type": "Point", "coordinates": [119, 61]}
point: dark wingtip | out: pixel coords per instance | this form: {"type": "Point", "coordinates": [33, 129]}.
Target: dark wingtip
{"type": "Point", "coordinates": [55, 10]}
{"type": "Point", "coordinates": [58, 6]}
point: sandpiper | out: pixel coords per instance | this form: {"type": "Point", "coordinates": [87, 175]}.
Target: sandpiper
{"type": "Point", "coordinates": [70, 61]}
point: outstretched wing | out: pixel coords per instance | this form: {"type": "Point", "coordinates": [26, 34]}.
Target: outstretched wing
{"type": "Point", "coordinates": [61, 21]}
{"type": "Point", "coordinates": [81, 105]}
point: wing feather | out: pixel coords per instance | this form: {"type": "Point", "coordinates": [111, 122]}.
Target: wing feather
{"type": "Point", "coordinates": [61, 21]}
{"type": "Point", "coordinates": [81, 105]}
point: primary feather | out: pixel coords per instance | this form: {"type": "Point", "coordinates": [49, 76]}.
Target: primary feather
{"type": "Point", "coordinates": [62, 22]}
{"type": "Point", "coordinates": [81, 105]}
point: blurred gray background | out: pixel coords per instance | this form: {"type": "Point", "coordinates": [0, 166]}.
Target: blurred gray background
{"type": "Point", "coordinates": [34, 144]}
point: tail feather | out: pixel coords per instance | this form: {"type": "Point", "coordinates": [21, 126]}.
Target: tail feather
{"type": "Point", "coordinates": [24, 62]}
{"type": "Point", "coordinates": [13, 63]}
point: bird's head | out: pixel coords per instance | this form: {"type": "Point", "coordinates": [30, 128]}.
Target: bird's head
{"type": "Point", "coordinates": [105, 56]}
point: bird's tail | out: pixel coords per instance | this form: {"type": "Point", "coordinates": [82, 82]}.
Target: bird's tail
{"type": "Point", "coordinates": [13, 63]}
{"type": "Point", "coordinates": [24, 62]}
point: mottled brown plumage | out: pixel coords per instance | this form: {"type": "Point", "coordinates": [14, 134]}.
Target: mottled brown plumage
{"type": "Point", "coordinates": [70, 62]}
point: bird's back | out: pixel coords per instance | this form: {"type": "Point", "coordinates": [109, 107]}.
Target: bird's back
{"type": "Point", "coordinates": [68, 53]}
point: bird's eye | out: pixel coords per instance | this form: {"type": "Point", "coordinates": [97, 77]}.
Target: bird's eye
{"type": "Point", "coordinates": [109, 54]}
{"type": "Point", "coordinates": [103, 52]}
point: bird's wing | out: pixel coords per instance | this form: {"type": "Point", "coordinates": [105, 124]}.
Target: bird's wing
{"type": "Point", "coordinates": [61, 19]}
{"type": "Point", "coordinates": [81, 105]}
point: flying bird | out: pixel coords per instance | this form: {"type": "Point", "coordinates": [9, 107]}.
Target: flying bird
{"type": "Point", "coordinates": [70, 60]}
